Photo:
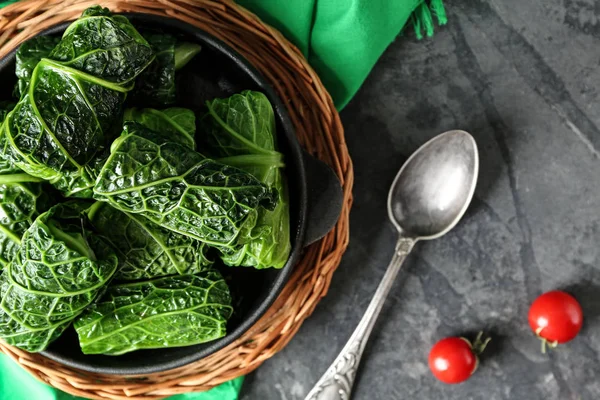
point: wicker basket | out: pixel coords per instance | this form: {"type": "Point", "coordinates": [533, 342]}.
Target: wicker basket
{"type": "Point", "coordinates": [319, 131]}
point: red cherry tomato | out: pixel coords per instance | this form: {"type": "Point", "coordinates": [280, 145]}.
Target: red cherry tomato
{"type": "Point", "coordinates": [556, 317]}
{"type": "Point", "coordinates": [452, 360]}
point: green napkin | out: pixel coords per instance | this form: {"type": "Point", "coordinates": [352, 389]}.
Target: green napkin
{"type": "Point", "coordinates": [342, 40]}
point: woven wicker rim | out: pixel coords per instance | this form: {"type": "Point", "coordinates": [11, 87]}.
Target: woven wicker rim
{"type": "Point", "coordinates": [319, 131]}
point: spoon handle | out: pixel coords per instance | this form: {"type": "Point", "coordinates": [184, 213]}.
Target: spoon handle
{"type": "Point", "coordinates": [336, 383]}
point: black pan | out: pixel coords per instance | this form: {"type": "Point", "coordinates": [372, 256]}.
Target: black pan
{"type": "Point", "coordinates": [315, 199]}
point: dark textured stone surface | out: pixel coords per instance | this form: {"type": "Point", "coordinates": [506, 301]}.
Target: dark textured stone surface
{"type": "Point", "coordinates": [522, 77]}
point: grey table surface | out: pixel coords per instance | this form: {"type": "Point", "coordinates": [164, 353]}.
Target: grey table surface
{"type": "Point", "coordinates": [523, 77]}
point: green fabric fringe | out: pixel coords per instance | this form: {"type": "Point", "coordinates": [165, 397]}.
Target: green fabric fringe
{"type": "Point", "coordinates": [422, 17]}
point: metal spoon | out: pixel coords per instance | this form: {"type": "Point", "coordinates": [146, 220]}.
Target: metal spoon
{"type": "Point", "coordinates": [428, 197]}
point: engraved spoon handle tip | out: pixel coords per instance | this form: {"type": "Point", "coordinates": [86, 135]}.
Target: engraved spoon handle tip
{"type": "Point", "coordinates": [337, 382]}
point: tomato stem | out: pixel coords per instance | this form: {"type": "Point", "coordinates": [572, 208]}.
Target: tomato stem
{"type": "Point", "coordinates": [479, 345]}
{"type": "Point", "coordinates": [543, 345]}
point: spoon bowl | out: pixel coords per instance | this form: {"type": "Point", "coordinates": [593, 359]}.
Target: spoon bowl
{"type": "Point", "coordinates": [433, 189]}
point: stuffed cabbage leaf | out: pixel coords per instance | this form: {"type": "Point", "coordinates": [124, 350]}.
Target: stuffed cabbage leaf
{"type": "Point", "coordinates": [147, 250]}
{"type": "Point", "coordinates": [179, 124]}
{"type": "Point", "coordinates": [105, 46]}
{"type": "Point", "coordinates": [239, 125]}
{"type": "Point", "coordinates": [57, 138]}
{"type": "Point", "coordinates": [178, 188]}
{"type": "Point", "coordinates": [168, 312]}
{"type": "Point", "coordinates": [27, 57]}
{"type": "Point", "coordinates": [22, 198]}
{"type": "Point", "coordinates": [240, 131]}
{"type": "Point", "coordinates": [267, 244]}
{"type": "Point", "coordinates": [58, 271]}
{"type": "Point", "coordinates": [156, 85]}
